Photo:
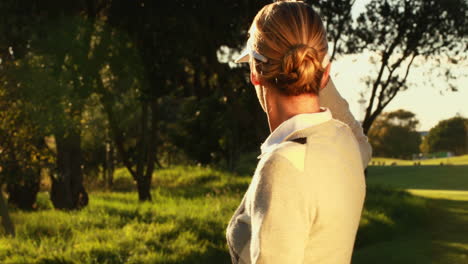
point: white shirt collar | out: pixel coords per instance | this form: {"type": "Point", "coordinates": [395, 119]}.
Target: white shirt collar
{"type": "Point", "coordinates": [293, 124]}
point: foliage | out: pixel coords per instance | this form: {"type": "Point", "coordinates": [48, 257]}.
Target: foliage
{"type": "Point", "coordinates": [396, 32]}
{"type": "Point", "coordinates": [135, 77]}
{"type": "Point", "coordinates": [448, 135]}
{"type": "Point", "coordinates": [52, 76]}
{"type": "Point", "coordinates": [394, 135]}
{"type": "Point", "coordinates": [338, 22]}
{"type": "Point", "coordinates": [23, 150]}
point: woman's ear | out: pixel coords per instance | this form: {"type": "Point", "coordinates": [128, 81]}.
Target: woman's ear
{"type": "Point", "coordinates": [325, 77]}
{"type": "Point", "coordinates": [254, 78]}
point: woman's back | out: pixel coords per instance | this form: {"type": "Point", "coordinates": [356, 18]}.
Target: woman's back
{"type": "Point", "coordinates": [306, 196]}
{"type": "Point", "coordinates": [339, 189]}
{"type": "Point", "coordinates": [304, 202]}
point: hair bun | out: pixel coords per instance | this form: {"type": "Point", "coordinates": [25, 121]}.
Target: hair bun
{"type": "Point", "coordinates": [301, 71]}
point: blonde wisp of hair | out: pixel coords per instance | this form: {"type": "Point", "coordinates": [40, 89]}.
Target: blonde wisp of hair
{"type": "Point", "coordinates": [291, 35]}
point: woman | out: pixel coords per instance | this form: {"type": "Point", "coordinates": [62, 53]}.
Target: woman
{"type": "Point", "coordinates": [306, 197]}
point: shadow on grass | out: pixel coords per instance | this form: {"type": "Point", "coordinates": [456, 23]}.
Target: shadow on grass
{"type": "Point", "coordinates": [213, 234]}
{"type": "Point", "coordinates": [393, 228]}
{"type": "Point", "coordinates": [449, 230]}
{"type": "Point", "coordinates": [447, 226]}
{"type": "Point", "coordinates": [389, 213]}
{"type": "Point", "coordinates": [434, 231]}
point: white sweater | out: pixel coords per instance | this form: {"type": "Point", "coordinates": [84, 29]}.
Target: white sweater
{"type": "Point", "coordinates": [305, 200]}
{"type": "Point", "coordinates": [339, 107]}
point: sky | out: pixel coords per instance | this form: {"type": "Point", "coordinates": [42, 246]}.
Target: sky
{"type": "Point", "coordinates": [427, 96]}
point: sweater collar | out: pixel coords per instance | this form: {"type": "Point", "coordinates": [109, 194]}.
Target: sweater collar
{"type": "Point", "coordinates": [293, 124]}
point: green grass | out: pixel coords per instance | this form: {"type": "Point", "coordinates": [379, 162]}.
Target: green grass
{"type": "Point", "coordinates": [445, 192]}
{"type": "Point", "coordinates": [420, 177]}
{"type": "Point", "coordinates": [459, 160]}
{"type": "Point", "coordinates": [449, 229]}
{"type": "Point", "coordinates": [388, 215]}
{"type": "Point", "coordinates": [185, 222]}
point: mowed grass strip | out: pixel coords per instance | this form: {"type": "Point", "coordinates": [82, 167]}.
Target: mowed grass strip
{"type": "Point", "coordinates": [185, 222]}
{"type": "Point", "coordinates": [458, 160]}
{"type": "Point", "coordinates": [420, 177]}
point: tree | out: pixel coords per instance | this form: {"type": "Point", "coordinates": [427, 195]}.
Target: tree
{"type": "Point", "coordinates": [394, 135]}
{"type": "Point", "coordinates": [122, 89]}
{"type": "Point", "coordinates": [135, 76]}
{"type": "Point", "coordinates": [49, 68]}
{"type": "Point", "coordinates": [199, 96]}
{"type": "Point", "coordinates": [338, 22]}
{"type": "Point", "coordinates": [133, 56]}
{"type": "Point", "coordinates": [448, 135]}
{"type": "Point", "coordinates": [59, 85]}
{"type": "Point", "coordinates": [397, 32]}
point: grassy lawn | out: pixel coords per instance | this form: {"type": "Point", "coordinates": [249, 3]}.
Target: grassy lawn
{"type": "Point", "coordinates": [459, 160]}
{"type": "Point", "coordinates": [445, 191]}
{"type": "Point", "coordinates": [185, 223]}
{"type": "Point", "coordinates": [420, 177]}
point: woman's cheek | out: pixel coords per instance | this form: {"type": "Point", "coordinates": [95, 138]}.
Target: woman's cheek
{"type": "Point", "coordinates": [260, 96]}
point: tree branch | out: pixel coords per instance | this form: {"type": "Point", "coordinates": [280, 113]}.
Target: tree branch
{"type": "Point", "coordinates": [400, 83]}
{"type": "Point", "coordinates": [115, 130]}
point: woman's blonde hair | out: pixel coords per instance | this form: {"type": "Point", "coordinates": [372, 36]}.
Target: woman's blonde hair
{"type": "Point", "coordinates": [291, 35]}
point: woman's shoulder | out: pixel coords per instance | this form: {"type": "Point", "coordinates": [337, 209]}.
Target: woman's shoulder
{"type": "Point", "coordinates": [323, 139]}
{"type": "Point", "coordinates": [286, 154]}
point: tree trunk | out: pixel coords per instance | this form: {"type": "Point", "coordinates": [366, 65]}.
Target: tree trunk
{"type": "Point", "coordinates": [144, 188]}
{"type": "Point", "coordinates": [369, 119]}
{"type": "Point", "coordinates": [109, 165]}
{"type": "Point", "coordinates": [110, 168]}
{"type": "Point", "coordinates": [67, 191]}
{"type": "Point", "coordinates": [6, 220]}
{"type": "Point", "coordinates": [142, 167]}
{"type": "Point", "coordinates": [147, 150]}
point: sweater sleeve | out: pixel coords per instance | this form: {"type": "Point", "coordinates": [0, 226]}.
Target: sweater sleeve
{"type": "Point", "coordinates": [331, 98]}
{"type": "Point", "coordinates": [282, 213]}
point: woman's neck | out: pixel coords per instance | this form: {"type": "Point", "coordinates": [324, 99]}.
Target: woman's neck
{"type": "Point", "coordinates": [281, 108]}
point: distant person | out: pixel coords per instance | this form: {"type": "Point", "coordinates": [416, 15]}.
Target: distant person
{"type": "Point", "coordinates": [306, 197]}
